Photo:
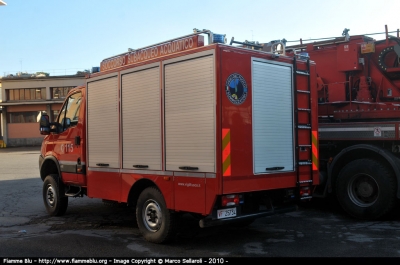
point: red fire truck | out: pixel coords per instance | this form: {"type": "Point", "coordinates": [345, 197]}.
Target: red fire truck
{"type": "Point", "coordinates": [359, 120]}
{"type": "Point", "coordinates": [224, 133]}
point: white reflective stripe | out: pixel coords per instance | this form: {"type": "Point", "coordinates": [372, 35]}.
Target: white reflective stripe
{"type": "Point", "coordinates": [189, 174]}
{"type": "Point", "coordinates": [65, 162]}
{"type": "Point", "coordinates": [211, 175]}
{"type": "Point", "coordinates": [147, 172]}
{"type": "Point", "coordinates": [103, 169]}
{"type": "Point", "coordinates": [355, 129]}
{"type": "Point", "coordinates": [153, 172]}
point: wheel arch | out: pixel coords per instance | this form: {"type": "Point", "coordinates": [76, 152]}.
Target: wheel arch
{"type": "Point", "coordinates": [49, 166]}
{"type": "Point", "coordinates": [361, 151]}
{"type": "Point", "coordinates": [137, 188]}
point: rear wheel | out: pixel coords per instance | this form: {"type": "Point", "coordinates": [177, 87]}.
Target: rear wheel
{"type": "Point", "coordinates": [54, 198]}
{"type": "Point", "coordinates": [156, 223]}
{"type": "Point", "coordinates": [366, 189]}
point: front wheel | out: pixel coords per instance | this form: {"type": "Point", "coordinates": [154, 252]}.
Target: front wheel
{"type": "Point", "coordinates": [156, 223]}
{"type": "Point", "coordinates": [366, 189]}
{"type": "Point", "coordinates": [54, 199]}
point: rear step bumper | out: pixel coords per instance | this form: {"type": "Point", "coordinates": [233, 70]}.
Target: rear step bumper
{"type": "Point", "coordinates": [209, 221]}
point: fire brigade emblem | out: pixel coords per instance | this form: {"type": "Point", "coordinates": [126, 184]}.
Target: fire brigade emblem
{"type": "Point", "coordinates": [236, 89]}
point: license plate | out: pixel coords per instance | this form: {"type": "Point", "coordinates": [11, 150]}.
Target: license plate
{"type": "Point", "coordinates": [226, 213]}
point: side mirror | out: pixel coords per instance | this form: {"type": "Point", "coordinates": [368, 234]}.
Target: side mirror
{"type": "Point", "coordinates": [66, 123]}
{"type": "Point", "coordinates": [44, 124]}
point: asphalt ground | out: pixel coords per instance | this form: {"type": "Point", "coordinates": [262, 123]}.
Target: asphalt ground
{"type": "Point", "coordinates": [93, 229]}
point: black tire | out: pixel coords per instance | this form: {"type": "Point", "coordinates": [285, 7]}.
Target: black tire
{"type": "Point", "coordinates": [54, 198]}
{"type": "Point", "coordinates": [366, 189]}
{"type": "Point", "coordinates": [156, 223]}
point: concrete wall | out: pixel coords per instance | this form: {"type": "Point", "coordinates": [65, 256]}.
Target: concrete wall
{"type": "Point", "coordinates": [23, 130]}
{"type": "Point", "coordinates": [14, 142]}
{"type": "Point", "coordinates": [27, 134]}
{"type": "Point", "coordinates": [39, 83]}
{"type": "Point", "coordinates": [25, 108]}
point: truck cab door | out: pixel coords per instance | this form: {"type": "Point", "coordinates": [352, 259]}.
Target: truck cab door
{"type": "Point", "coordinates": [67, 140]}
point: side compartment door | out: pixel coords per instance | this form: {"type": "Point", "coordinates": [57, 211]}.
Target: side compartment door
{"type": "Point", "coordinates": [190, 129]}
{"type": "Point", "coordinates": [103, 145]}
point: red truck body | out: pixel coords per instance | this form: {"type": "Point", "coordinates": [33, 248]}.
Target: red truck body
{"type": "Point", "coordinates": [224, 133]}
{"type": "Point", "coordinates": [358, 108]}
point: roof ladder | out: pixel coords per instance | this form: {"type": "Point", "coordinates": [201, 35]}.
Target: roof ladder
{"type": "Point", "coordinates": [303, 114]}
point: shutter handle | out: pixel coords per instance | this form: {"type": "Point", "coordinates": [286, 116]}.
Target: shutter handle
{"type": "Point", "coordinates": [274, 168]}
{"type": "Point", "coordinates": [140, 166]}
{"type": "Point", "coordinates": [188, 168]}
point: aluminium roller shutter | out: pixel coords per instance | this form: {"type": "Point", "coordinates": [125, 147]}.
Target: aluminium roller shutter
{"type": "Point", "coordinates": [190, 114]}
{"type": "Point", "coordinates": [272, 117]}
{"type": "Point", "coordinates": [103, 122]}
{"type": "Point", "coordinates": [141, 119]}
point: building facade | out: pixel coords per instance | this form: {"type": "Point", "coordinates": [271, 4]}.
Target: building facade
{"type": "Point", "coordinates": [24, 99]}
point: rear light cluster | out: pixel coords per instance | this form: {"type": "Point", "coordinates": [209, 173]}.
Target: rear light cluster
{"type": "Point", "coordinates": [305, 191]}
{"type": "Point", "coordinates": [231, 200]}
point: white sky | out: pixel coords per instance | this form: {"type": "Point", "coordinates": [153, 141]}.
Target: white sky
{"type": "Point", "coordinates": [62, 37]}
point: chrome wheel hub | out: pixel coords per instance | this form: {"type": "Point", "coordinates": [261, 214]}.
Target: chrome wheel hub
{"type": "Point", "coordinates": [152, 216]}
{"type": "Point", "coordinates": [50, 196]}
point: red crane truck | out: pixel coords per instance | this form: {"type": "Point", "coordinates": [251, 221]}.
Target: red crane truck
{"type": "Point", "coordinates": [359, 120]}
{"type": "Point", "coordinates": [224, 133]}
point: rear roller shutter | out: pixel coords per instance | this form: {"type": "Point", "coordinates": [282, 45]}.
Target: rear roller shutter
{"type": "Point", "coordinates": [272, 117]}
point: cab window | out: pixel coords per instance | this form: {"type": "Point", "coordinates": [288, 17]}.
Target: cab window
{"type": "Point", "coordinates": [69, 114]}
